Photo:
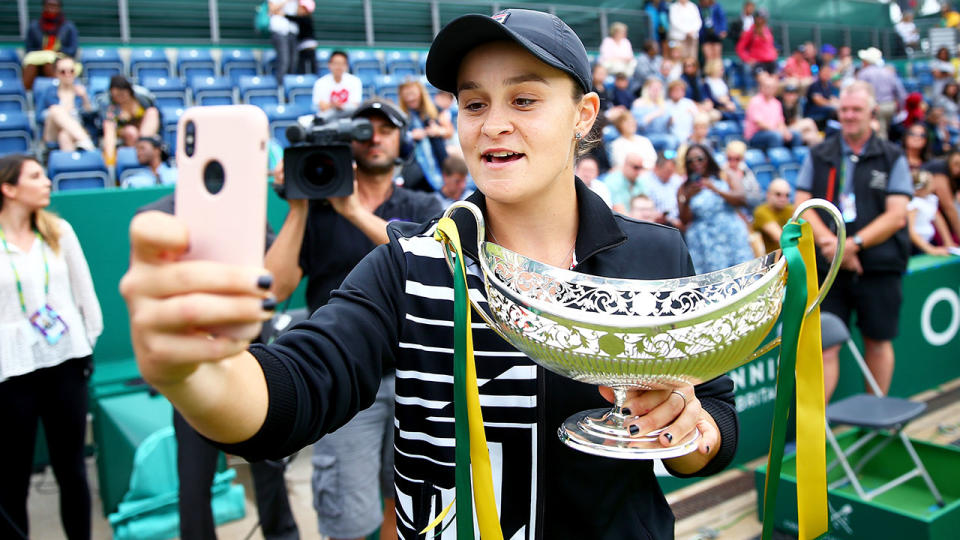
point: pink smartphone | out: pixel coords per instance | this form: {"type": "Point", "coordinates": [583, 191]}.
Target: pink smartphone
{"type": "Point", "coordinates": [221, 191]}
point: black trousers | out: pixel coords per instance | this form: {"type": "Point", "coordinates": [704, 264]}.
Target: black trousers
{"type": "Point", "coordinates": [196, 466]}
{"type": "Point", "coordinates": [56, 396]}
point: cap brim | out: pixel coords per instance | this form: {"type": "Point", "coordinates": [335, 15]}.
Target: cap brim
{"type": "Point", "coordinates": [464, 34]}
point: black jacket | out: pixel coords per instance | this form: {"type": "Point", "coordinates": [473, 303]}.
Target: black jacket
{"type": "Point", "coordinates": [395, 309]}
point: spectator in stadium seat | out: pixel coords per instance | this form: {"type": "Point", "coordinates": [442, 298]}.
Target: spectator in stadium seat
{"type": "Point", "coordinates": [650, 108]}
{"type": "Point", "coordinates": [949, 17]}
{"type": "Point", "coordinates": [629, 141]}
{"type": "Point", "coordinates": [129, 116]}
{"type": "Point", "coordinates": [764, 126]}
{"type": "Point", "coordinates": [623, 182]}
{"type": "Point", "coordinates": [642, 207]}
{"type": "Point", "coordinates": [680, 109]}
{"type": "Point", "coordinates": [685, 24]}
{"type": "Point", "coordinates": [939, 133]}
{"type": "Point", "coordinates": [429, 132]}
{"type": "Point", "coordinates": [719, 91]}
{"type": "Point", "coordinates": [858, 162]}
{"type": "Point", "coordinates": [827, 56]}
{"type": "Point", "coordinates": [661, 186]}
{"type": "Point", "coordinates": [736, 172]}
{"type": "Point", "coordinates": [792, 116]}
{"type": "Point", "coordinates": [886, 85]}
{"type": "Point", "coordinates": [48, 37]}
{"type": "Point", "coordinates": [943, 70]}
{"type": "Point", "coordinates": [599, 75]}
{"type": "Point", "coordinates": [337, 90]}
{"type": "Point", "coordinates": [845, 69]}
{"type": "Point", "coordinates": [616, 52]}
{"type": "Point", "coordinates": [716, 235]}
{"type": "Point", "coordinates": [48, 332]}
{"type": "Point", "coordinates": [907, 30]}
{"type": "Point", "coordinates": [699, 135]}
{"type": "Point", "coordinates": [798, 69]}
{"type": "Point", "coordinates": [283, 36]}
{"type": "Point", "coordinates": [622, 96]}
{"type": "Point", "coordinates": [455, 175]}
{"type": "Point", "coordinates": [929, 232]}
{"type": "Point", "coordinates": [745, 21]}
{"type": "Point", "coordinates": [916, 145]}
{"type": "Point", "coordinates": [946, 184]}
{"type": "Point", "coordinates": [588, 170]}
{"type": "Point", "coordinates": [770, 217]}
{"type": "Point", "coordinates": [306, 41]}
{"type": "Point", "coordinates": [714, 29]}
{"type": "Point", "coordinates": [658, 13]}
{"type": "Point", "coordinates": [822, 98]}
{"type": "Point", "coordinates": [697, 90]}
{"type": "Point", "coordinates": [949, 101]}
{"type": "Point", "coordinates": [152, 154]}
{"type": "Point", "coordinates": [756, 48]}
{"type": "Point", "coordinates": [648, 64]}
{"type": "Point", "coordinates": [63, 104]}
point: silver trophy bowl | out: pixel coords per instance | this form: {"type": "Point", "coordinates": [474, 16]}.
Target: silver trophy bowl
{"type": "Point", "coordinates": [626, 333]}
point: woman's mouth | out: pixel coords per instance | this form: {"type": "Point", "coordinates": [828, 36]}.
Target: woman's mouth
{"type": "Point", "coordinates": [503, 156]}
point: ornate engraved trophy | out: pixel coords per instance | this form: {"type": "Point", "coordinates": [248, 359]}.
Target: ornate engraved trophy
{"type": "Point", "coordinates": [624, 333]}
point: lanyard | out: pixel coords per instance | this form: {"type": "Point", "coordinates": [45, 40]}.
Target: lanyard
{"type": "Point", "coordinates": [16, 276]}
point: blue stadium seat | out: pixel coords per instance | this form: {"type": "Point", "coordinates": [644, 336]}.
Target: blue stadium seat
{"type": "Point", "coordinates": [323, 58]}
{"type": "Point", "coordinates": [726, 130]}
{"type": "Point", "coordinates": [101, 62]}
{"type": "Point", "coordinates": [267, 59]}
{"type": "Point", "coordinates": [235, 63]}
{"type": "Point", "coordinates": [365, 63]}
{"type": "Point", "coordinates": [663, 141]}
{"type": "Point", "coordinates": [127, 163]}
{"type": "Point", "coordinates": [800, 153]}
{"type": "Point", "coordinates": [16, 135]}
{"type": "Point", "coordinates": [765, 174]}
{"type": "Point", "coordinates": [282, 116]}
{"type": "Point", "coordinates": [385, 86]}
{"type": "Point", "coordinates": [911, 85]}
{"type": "Point", "coordinates": [754, 157]}
{"type": "Point", "coordinates": [780, 156]}
{"type": "Point", "coordinates": [212, 91]}
{"type": "Point", "coordinates": [259, 90]}
{"type": "Point", "coordinates": [423, 63]}
{"type": "Point", "coordinates": [9, 63]}
{"type": "Point", "coordinates": [167, 91]}
{"type": "Point", "coordinates": [298, 89]}
{"type": "Point", "coordinates": [77, 170]}
{"type": "Point", "coordinates": [13, 98]}
{"type": "Point", "coordinates": [149, 63]}
{"type": "Point", "coordinates": [195, 63]}
{"type": "Point", "coordinates": [403, 63]}
{"type": "Point", "coordinates": [789, 172]}
{"type": "Point", "coordinates": [97, 86]}
{"type": "Point", "coordinates": [170, 116]}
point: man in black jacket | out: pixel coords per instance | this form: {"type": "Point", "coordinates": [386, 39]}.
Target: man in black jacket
{"type": "Point", "coordinates": [869, 180]}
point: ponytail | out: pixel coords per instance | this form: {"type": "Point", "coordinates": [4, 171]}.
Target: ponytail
{"type": "Point", "coordinates": [48, 225]}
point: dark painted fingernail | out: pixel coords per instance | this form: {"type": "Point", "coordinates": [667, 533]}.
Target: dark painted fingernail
{"type": "Point", "coordinates": [265, 282]}
{"type": "Point", "coordinates": [669, 437]}
{"type": "Point", "coordinates": [269, 304]}
{"type": "Point", "coordinates": [626, 411]}
{"type": "Point", "coordinates": [708, 448]}
{"type": "Point", "coordinates": [634, 430]}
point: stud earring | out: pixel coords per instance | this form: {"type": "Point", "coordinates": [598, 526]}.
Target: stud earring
{"type": "Point", "coordinates": [578, 136]}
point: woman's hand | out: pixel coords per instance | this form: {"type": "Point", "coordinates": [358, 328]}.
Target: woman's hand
{"type": "Point", "coordinates": [187, 313]}
{"type": "Point", "coordinates": [418, 134]}
{"type": "Point", "coordinates": [677, 414]}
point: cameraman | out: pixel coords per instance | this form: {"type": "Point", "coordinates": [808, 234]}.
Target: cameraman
{"type": "Point", "coordinates": [323, 240]}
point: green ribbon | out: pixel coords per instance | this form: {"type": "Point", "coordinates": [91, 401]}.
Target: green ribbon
{"type": "Point", "coordinates": [794, 308]}
{"type": "Point", "coordinates": [464, 494]}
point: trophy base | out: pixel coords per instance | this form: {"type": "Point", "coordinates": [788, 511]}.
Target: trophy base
{"type": "Point", "coordinates": [601, 432]}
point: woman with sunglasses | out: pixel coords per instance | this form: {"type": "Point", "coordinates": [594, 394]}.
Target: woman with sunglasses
{"type": "Point", "coordinates": [916, 146]}
{"type": "Point", "coordinates": [63, 105]}
{"type": "Point", "coordinates": [522, 79]}
{"type": "Point", "coordinates": [716, 236]}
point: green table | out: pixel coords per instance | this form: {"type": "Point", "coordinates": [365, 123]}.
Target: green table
{"type": "Point", "coordinates": [120, 424]}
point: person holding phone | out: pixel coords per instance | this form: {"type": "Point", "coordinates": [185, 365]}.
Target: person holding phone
{"type": "Point", "coordinates": [50, 320]}
{"type": "Point", "coordinates": [526, 110]}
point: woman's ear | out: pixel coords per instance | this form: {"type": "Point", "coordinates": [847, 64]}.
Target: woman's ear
{"type": "Point", "coordinates": [8, 190]}
{"type": "Point", "coordinates": [588, 109]}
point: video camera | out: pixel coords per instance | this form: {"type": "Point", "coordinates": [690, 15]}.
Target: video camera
{"type": "Point", "coordinates": [319, 162]}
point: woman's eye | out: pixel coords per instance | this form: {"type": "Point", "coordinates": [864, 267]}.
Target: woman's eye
{"type": "Point", "coordinates": [475, 106]}
{"type": "Point", "coordinates": [524, 102]}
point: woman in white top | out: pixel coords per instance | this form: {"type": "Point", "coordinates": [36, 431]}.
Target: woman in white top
{"type": "Point", "coordinates": [49, 322]}
{"type": "Point", "coordinates": [283, 35]}
{"type": "Point", "coordinates": [616, 51]}
{"type": "Point", "coordinates": [629, 142]}
{"type": "Point", "coordinates": [685, 26]}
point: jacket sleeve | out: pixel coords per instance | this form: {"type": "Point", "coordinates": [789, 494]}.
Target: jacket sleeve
{"type": "Point", "coordinates": [68, 39]}
{"type": "Point", "coordinates": [34, 39]}
{"type": "Point", "coordinates": [323, 371]}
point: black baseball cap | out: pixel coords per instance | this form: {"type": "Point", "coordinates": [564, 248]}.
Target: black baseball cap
{"type": "Point", "coordinates": [384, 107]}
{"type": "Point", "coordinates": [542, 34]}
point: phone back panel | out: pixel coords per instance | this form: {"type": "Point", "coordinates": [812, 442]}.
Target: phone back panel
{"type": "Point", "coordinates": [227, 226]}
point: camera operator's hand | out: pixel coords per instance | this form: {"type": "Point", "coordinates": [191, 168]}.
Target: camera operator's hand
{"type": "Point", "coordinates": [348, 206]}
{"type": "Point", "coordinates": [359, 211]}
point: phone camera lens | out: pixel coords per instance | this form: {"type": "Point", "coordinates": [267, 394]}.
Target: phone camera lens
{"type": "Point", "coordinates": [189, 141]}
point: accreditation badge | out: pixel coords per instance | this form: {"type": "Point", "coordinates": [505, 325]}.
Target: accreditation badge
{"type": "Point", "coordinates": [848, 207]}
{"type": "Point", "coordinates": [49, 324]}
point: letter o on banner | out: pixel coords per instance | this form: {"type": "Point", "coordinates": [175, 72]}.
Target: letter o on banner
{"type": "Point", "coordinates": [935, 338]}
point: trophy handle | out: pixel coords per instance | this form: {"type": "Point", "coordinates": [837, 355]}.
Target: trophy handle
{"type": "Point", "coordinates": [481, 235]}
{"type": "Point", "coordinates": [841, 240]}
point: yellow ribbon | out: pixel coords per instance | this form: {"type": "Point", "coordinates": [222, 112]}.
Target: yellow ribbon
{"type": "Point", "coordinates": [811, 440]}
